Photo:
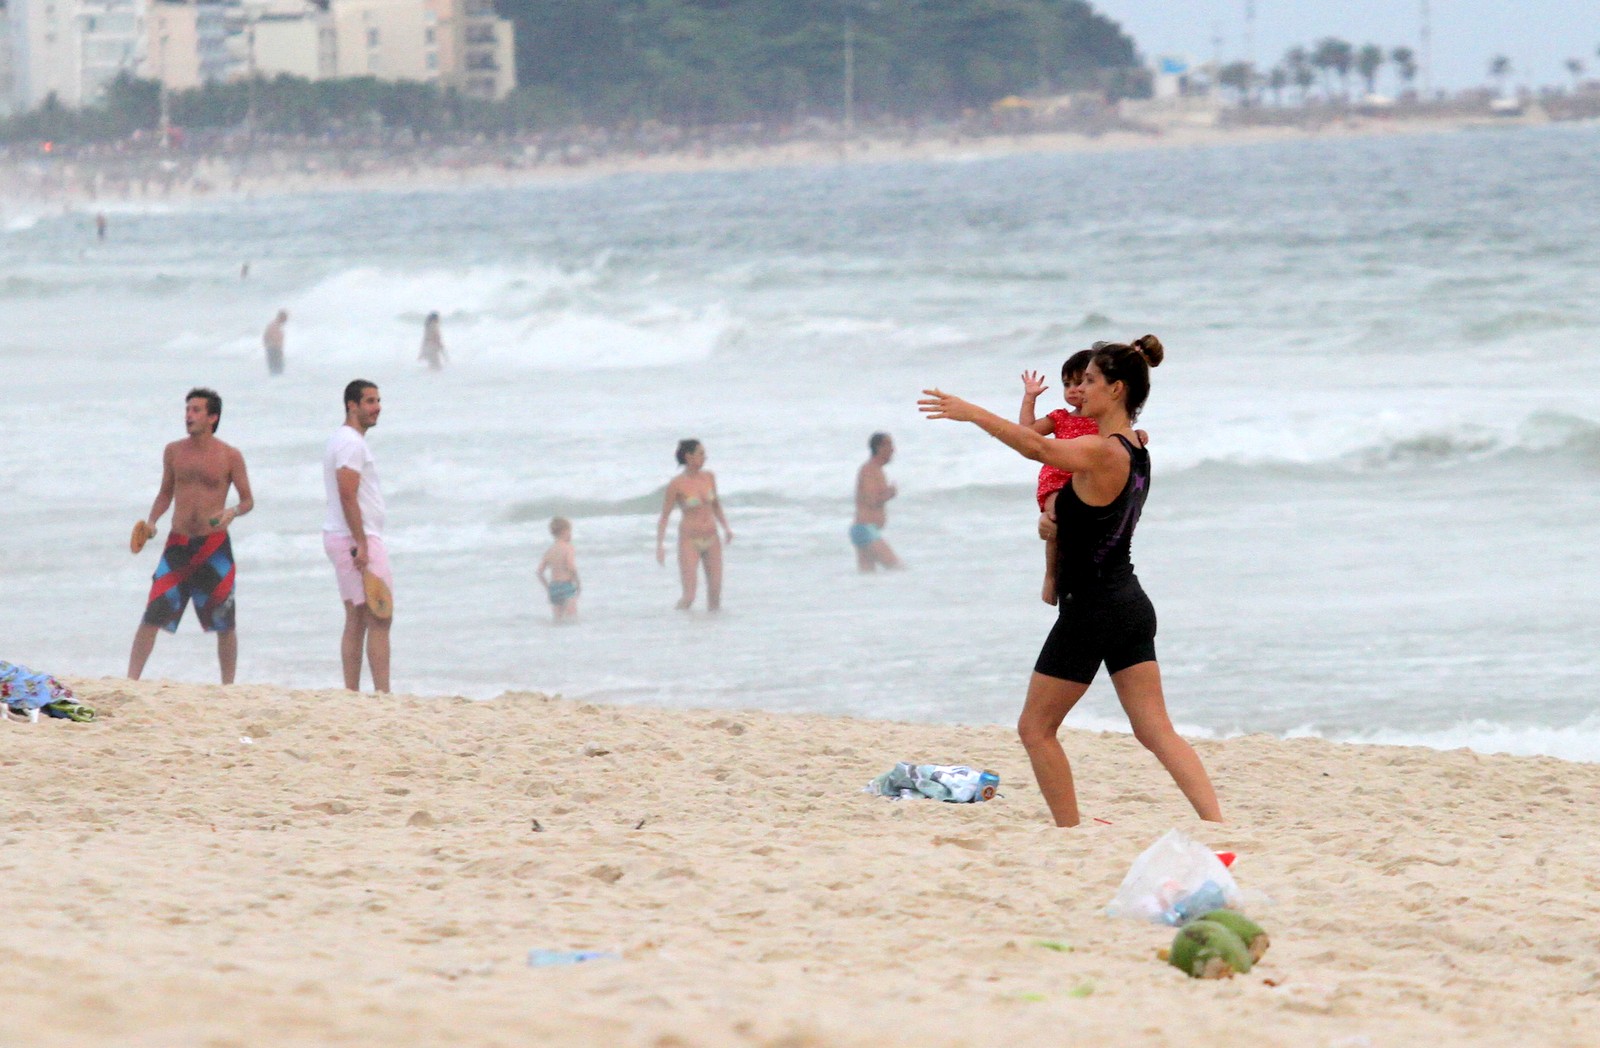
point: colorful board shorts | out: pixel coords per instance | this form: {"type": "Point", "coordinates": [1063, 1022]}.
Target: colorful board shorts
{"type": "Point", "coordinates": [561, 592]}
{"type": "Point", "coordinates": [864, 535]}
{"type": "Point", "coordinates": [199, 569]}
{"type": "Point", "coordinates": [338, 547]}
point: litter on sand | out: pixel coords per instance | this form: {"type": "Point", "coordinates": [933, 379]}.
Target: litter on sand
{"type": "Point", "coordinates": [956, 783]}
{"type": "Point", "coordinates": [556, 958]}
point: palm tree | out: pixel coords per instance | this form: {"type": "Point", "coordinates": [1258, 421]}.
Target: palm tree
{"type": "Point", "coordinates": [1301, 74]}
{"type": "Point", "coordinates": [1499, 69]}
{"type": "Point", "coordinates": [1277, 80]}
{"type": "Point", "coordinates": [1368, 61]}
{"type": "Point", "coordinates": [1405, 63]}
{"type": "Point", "coordinates": [1241, 76]}
{"type": "Point", "coordinates": [1336, 56]}
{"type": "Point", "coordinates": [1575, 67]}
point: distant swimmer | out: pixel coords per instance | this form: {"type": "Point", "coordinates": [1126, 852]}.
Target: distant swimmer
{"type": "Point", "coordinates": [694, 493]}
{"type": "Point", "coordinates": [197, 564]}
{"type": "Point", "coordinates": [560, 564]}
{"type": "Point", "coordinates": [352, 536]}
{"type": "Point", "coordinates": [100, 224]}
{"type": "Point", "coordinates": [272, 342]}
{"type": "Point", "coordinates": [873, 492]}
{"type": "Point", "coordinates": [244, 271]}
{"type": "Point", "coordinates": [432, 343]}
{"type": "Point", "coordinates": [1104, 615]}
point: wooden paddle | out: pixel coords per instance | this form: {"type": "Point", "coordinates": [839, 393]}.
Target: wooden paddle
{"type": "Point", "coordinates": [142, 533]}
{"type": "Point", "coordinates": [380, 602]}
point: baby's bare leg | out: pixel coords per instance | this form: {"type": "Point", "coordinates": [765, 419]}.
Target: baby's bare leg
{"type": "Point", "coordinates": [1048, 594]}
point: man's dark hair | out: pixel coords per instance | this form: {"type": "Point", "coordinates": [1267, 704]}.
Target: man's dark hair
{"type": "Point", "coordinates": [875, 441]}
{"type": "Point", "coordinates": [213, 403]}
{"type": "Point", "coordinates": [356, 390]}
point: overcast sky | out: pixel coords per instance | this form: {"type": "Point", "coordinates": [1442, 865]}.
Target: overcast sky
{"type": "Point", "coordinates": [1537, 35]}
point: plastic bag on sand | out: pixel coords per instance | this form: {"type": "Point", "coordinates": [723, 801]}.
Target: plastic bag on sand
{"type": "Point", "coordinates": [956, 783]}
{"type": "Point", "coordinates": [1173, 881]}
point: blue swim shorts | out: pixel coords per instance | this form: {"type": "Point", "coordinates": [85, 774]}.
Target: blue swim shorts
{"type": "Point", "coordinates": [864, 535]}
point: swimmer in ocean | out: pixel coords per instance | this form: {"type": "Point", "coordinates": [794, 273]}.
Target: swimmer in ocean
{"type": "Point", "coordinates": [873, 492]}
{"type": "Point", "coordinates": [693, 492]}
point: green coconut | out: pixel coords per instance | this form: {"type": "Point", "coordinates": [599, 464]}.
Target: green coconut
{"type": "Point", "coordinates": [1207, 950]}
{"type": "Point", "coordinates": [1254, 938]}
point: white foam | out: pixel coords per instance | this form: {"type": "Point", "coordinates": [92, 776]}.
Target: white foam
{"type": "Point", "coordinates": [525, 318]}
{"type": "Point", "coordinates": [1573, 742]}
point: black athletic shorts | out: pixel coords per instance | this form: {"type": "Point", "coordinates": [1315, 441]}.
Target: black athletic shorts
{"type": "Point", "coordinates": [1117, 629]}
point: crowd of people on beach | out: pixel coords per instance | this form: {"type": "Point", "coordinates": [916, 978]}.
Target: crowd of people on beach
{"type": "Point", "coordinates": [1093, 482]}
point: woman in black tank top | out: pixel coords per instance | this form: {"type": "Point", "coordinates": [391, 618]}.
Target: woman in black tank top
{"type": "Point", "coordinates": [1104, 615]}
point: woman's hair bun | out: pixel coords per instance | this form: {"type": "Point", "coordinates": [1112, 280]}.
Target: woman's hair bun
{"type": "Point", "coordinates": [1151, 349]}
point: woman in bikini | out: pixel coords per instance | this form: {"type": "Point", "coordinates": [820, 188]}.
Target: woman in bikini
{"type": "Point", "coordinates": [694, 493]}
{"type": "Point", "coordinates": [1103, 615]}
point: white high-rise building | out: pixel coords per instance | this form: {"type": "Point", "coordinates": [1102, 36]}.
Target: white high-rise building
{"type": "Point", "coordinates": [112, 37]}
{"type": "Point", "coordinates": [387, 39]}
{"type": "Point", "coordinates": [481, 60]}
{"type": "Point", "coordinates": [5, 60]}
{"type": "Point", "coordinates": [72, 49]}
{"type": "Point", "coordinates": [295, 37]}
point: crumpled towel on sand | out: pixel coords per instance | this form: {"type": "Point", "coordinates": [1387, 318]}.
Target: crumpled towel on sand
{"type": "Point", "coordinates": [24, 691]}
{"type": "Point", "coordinates": [956, 783]}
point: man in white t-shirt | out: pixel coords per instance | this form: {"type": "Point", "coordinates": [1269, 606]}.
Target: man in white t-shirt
{"type": "Point", "coordinates": [353, 533]}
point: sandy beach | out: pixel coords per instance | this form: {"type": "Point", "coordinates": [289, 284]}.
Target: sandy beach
{"type": "Point", "coordinates": [251, 866]}
{"type": "Point", "coordinates": [114, 181]}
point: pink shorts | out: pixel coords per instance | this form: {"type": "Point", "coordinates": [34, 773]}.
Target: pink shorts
{"type": "Point", "coordinates": [344, 565]}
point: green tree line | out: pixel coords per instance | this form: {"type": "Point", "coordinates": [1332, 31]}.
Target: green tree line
{"type": "Point", "coordinates": [701, 61]}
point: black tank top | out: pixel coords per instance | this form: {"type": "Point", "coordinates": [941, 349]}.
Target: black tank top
{"type": "Point", "coordinates": [1093, 542]}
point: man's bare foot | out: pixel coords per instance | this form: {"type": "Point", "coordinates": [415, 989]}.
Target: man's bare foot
{"type": "Point", "coordinates": [1048, 594]}
{"type": "Point", "coordinates": [682, 605]}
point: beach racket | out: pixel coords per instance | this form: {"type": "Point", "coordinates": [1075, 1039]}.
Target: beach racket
{"type": "Point", "coordinates": [380, 602]}
{"type": "Point", "coordinates": [142, 533]}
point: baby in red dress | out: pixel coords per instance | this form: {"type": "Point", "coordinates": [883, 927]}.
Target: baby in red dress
{"type": "Point", "coordinates": [1065, 424]}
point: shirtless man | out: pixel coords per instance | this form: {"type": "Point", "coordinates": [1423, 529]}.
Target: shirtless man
{"type": "Point", "coordinates": [873, 492]}
{"type": "Point", "coordinates": [272, 340]}
{"type": "Point", "coordinates": [197, 563]}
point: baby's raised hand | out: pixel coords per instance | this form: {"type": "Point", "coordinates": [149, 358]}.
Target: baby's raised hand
{"type": "Point", "coordinates": [1033, 384]}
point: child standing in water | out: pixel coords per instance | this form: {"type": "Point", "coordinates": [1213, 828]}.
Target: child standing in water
{"type": "Point", "coordinates": [1065, 424]}
{"type": "Point", "coordinates": [561, 561]}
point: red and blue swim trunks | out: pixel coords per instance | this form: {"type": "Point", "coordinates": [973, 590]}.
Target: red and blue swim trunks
{"type": "Point", "coordinates": [198, 569]}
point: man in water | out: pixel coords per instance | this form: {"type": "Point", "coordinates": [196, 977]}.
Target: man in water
{"type": "Point", "coordinates": [352, 534]}
{"type": "Point", "coordinates": [432, 343]}
{"type": "Point", "coordinates": [272, 341]}
{"type": "Point", "coordinates": [197, 563]}
{"type": "Point", "coordinates": [873, 492]}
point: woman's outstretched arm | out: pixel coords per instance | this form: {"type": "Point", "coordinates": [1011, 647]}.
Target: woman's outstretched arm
{"type": "Point", "coordinates": [1078, 455]}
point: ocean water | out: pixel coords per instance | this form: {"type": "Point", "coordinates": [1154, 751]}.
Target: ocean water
{"type": "Point", "coordinates": [1376, 439]}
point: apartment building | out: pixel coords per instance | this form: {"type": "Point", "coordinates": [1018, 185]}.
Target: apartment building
{"type": "Point", "coordinates": [480, 49]}
{"type": "Point", "coordinates": [293, 37]}
{"type": "Point", "coordinates": [387, 39]}
{"type": "Point", "coordinates": [6, 102]}
{"type": "Point", "coordinates": [72, 48]}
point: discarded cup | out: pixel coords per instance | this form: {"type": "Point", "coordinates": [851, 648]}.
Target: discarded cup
{"type": "Point", "coordinates": [555, 958]}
